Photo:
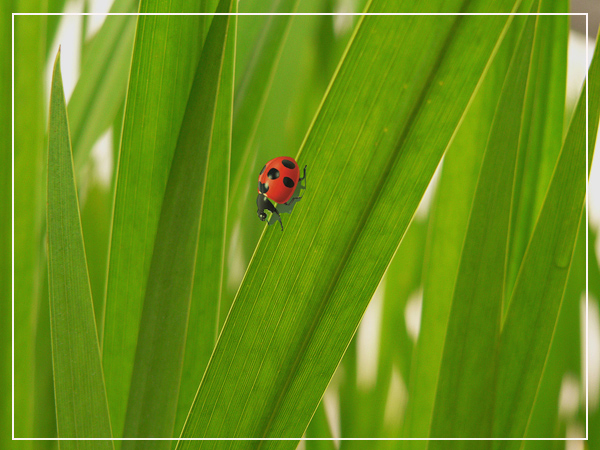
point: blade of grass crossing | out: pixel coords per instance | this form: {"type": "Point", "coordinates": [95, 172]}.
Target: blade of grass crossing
{"type": "Point", "coordinates": [52, 22]}
{"type": "Point", "coordinates": [319, 428]}
{"type": "Point", "coordinates": [403, 278]}
{"type": "Point", "coordinates": [563, 358]}
{"type": "Point", "coordinates": [155, 381]}
{"type": "Point", "coordinates": [29, 175]}
{"type": "Point", "coordinates": [310, 317]}
{"type": "Point", "coordinates": [293, 99]}
{"type": "Point", "coordinates": [593, 267]}
{"type": "Point", "coordinates": [165, 55]}
{"type": "Point", "coordinates": [203, 320]}
{"type": "Point", "coordinates": [105, 63]}
{"type": "Point", "coordinates": [44, 420]}
{"type": "Point", "coordinates": [5, 228]}
{"type": "Point", "coordinates": [446, 233]}
{"type": "Point", "coordinates": [101, 87]}
{"type": "Point", "coordinates": [594, 426]}
{"type": "Point", "coordinates": [295, 116]}
{"type": "Point", "coordinates": [252, 89]}
{"type": "Point", "coordinates": [349, 396]}
{"type": "Point", "coordinates": [542, 129]}
{"type": "Point", "coordinates": [81, 406]}
{"type": "Point", "coordinates": [258, 63]}
{"type": "Point", "coordinates": [363, 407]}
{"type": "Point", "coordinates": [95, 221]}
{"type": "Point", "coordinates": [469, 360]}
{"type": "Point", "coordinates": [593, 296]}
{"type": "Point", "coordinates": [539, 288]}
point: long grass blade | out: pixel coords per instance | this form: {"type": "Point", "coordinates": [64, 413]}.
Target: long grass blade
{"type": "Point", "coordinates": [544, 145]}
{"type": "Point", "coordinates": [288, 327]}
{"type": "Point", "coordinates": [447, 228]}
{"type": "Point", "coordinates": [593, 267]}
{"type": "Point", "coordinates": [563, 359]}
{"type": "Point", "coordinates": [29, 175]}
{"type": "Point", "coordinates": [540, 285]}
{"type": "Point", "coordinates": [594, 309]}
{"type": "Point", "coordinates": [402, 280]}
{"type": "Point", "coordinates": [319, 428]}
{"type": "Point", "coordinates": [206, 298]}
{"type": "Point", "coordinates": [102, 83]}
{"type": "Point", "coordinates": [469, 360]}
{"type": "Point", "coordinates": [298, 85]}
{"type": "Point", "coordinates": [165, 55]}
{"type": "Point", "coordinates": [258, 53]}
{"type": "Point", "coordinates": [252, 89]}
{"type": "Point", "coordinates": [152, 406]}
{"type": "Point", "coordinates": [52, 22]}
{"type": "Point", "coordinates": [542, 130]}
{"type": "Point", "coordinates": [81, 405]}
{"type": "Point", "coordinates": [5, 229]}
{"type": "Point", "coordinates": [359, 399]}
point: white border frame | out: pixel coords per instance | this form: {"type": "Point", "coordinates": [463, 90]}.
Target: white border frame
{"type": "Point", "coordinates": [305, 438]}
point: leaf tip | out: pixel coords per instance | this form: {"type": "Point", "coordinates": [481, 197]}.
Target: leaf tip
{"type": "Point", "coordinates": [57, 60]}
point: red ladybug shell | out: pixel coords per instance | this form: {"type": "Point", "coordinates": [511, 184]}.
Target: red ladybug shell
{"type": "Point", "coordinates": [279, 178]}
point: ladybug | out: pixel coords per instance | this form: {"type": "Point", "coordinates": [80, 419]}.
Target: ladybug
{"type": "Point", "coordinates": [278, 180]}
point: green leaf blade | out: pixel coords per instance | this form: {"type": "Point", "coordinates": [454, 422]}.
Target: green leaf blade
{"type": "Point", "coordinates": [542, 130]}
{"type": "Point", "coordinates": [288, 328]}
{"type": "Point", "coordinates": [99, 92]}
{"type": "Point", "coordinates": [540, 285]}
{"type": "Point", "coordinates": [6, 372]}
{"type": "Point", "coordinates": [546, 111]}
{"type": "Point", "coordinates": [252, 90]}
{"type": "Point", "coordinates": [81, 405]}
{"type": "Point", "coordinates": [152, 406]}
{"type": "Point", "coordinates": [448, 225]}
{"type": "Point", "coordinates": [319, 428]}
{"type": "Point", "coordinates": [29, 145]}
{"type": "Point", "coordinates": [166, 52]}
{"type": "Point", "coordinates": [469, 360]}
{"type": "Point", "coordinates": [258, 57]}
{"type": "Point", "coordinates": [206, 298]}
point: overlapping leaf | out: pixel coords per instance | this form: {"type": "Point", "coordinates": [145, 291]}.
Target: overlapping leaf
{"type": "Point", "coordinates": [306, 289]}
{"type": "Point", "coordinates": [29, 126]}
{"type": "Point", "coordinates": [469, 360]}
{"type": "Point", "coordinates": [99, 91]}
{"type": "Point", "coordinates": [81, 406]}
{"type": "Point", "coordinates": [446, 235]}
{"type": "Point", "coordinates": [5, 231]}
{"type": "Point", "coordinates": [165, 55]}
{"type": "Point", "coordinates": [540, 285]}
{"type": "Point", "coordinates": [188, 251]}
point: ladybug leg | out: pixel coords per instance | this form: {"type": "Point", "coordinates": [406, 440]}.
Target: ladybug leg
{"type": "Point", "coordinates": [300, 188]}
{"type": "Point", "coordinates": [292, 201]}
{"type": "Point", "coordinates": [303, 179]}
{"type": "Point", "coordinates": [275, 217]}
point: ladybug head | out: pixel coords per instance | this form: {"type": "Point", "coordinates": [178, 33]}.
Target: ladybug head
{"type": "Point", "coordinates": [262, 203]}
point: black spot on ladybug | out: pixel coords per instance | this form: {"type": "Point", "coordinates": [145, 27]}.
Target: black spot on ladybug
{"type": "Point", "coordinates": [287, 163]}
{"type": "Point", "coordinates": [263, 188]}
{"type": "Point", "coordinates": [273, 174]}
{"type": "Point", "coordinates": [288, 182]}
{"type": "Point", "coordinates": [262, 170]}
